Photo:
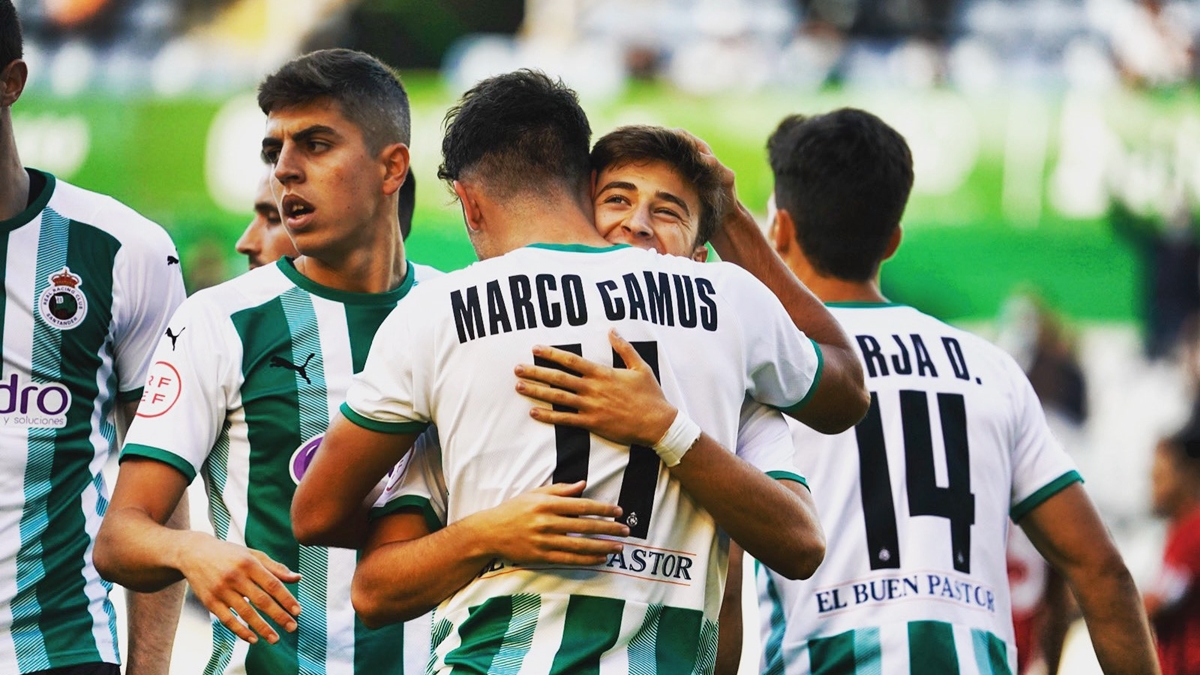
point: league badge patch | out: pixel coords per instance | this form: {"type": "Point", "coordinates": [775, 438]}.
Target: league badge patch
{"type": "Point", "coordinates": [63, 305]}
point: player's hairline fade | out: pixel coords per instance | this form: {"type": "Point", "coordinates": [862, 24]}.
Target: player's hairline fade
{"type": "Point", "coordinates": [640, 144]}
{"type": "Point", "coordinates": [844, 177]}
{"type": "Point", "coordinates": [520, 133]}
{"type": "Point", "coordinates": [12, 43]}
{"type": "Point", "coordinates": [368, 92]}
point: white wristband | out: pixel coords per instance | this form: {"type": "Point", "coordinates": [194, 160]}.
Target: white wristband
{"type": "Point", "coordinates": [680, 437]}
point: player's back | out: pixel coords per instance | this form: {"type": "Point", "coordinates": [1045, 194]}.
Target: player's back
{"type": "Point", "coordinates": [916, 502]}
{"type": "Point", "coordinates": [711, 333]}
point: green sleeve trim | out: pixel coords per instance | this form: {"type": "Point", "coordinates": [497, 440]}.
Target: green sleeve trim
{"type": "Point", "coordinates": [127, 396]}
{"type": "Point", "coordinates": [790, 475]}
{"type": "Point", "coordinates": [382, 427]}
{"type": "Point", "coordinates": [158, 454]}
{"type": "Point", "coordinates": [409, 501]}
{"type": "Point", "coordinates": [816, 381]}
{"type": "Point", "coordinates": [1020, 510]}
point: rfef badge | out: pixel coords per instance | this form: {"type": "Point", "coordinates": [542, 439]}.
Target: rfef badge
{"type": "Point", "coordinates": [63, 305]}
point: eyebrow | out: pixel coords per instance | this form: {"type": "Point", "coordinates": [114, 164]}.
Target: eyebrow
{"type": "Point", "coordinates": [301, 136]}
{"type": "Point", "coordinates": [665, 196]}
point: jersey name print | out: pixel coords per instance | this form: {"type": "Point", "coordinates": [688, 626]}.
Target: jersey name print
{"type": "Point", "coordinates": [87, 293]}
{"type": "Point", "coordinates": [241, 394]}
{"type": "Point", "coordinates": [654, 605]}
{"type": "Point", "coordinates": [920, 493]}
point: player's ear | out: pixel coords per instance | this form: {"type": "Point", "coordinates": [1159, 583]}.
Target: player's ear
{"type": "Point", "coordinates": [12, 82]}
{"type": "Point", "coordinates": [782, 232]}
{"type": "Point", "coordinates": [395, 167]}
{"type": "Point", "coordinates": [469, 198]}
{"type": "Point", "coordinates": [700, 254]}
{"type": "Point", "coordinates": [893, 244]}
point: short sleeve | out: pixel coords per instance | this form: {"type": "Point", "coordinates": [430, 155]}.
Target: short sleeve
{"type": "Point", "coordinates": [1041, 468]}
{"type": "Point", "coordinates": [193, 377]}
{"type": "Point", "coordinates": [147, 289]}
{"type": "Point", "coordinates": [765, 441]}
{"type": "Point", "coordinates": [783, 364]}
{"type": "Point", "coordinates": [384, 397]}
{"type": "Point", "coordinates": [417, 481]}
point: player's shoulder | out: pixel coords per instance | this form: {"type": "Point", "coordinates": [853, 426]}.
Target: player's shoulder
{"type": "Point", "coordinates": [134, 231]}
{"type": "Point", "coordinates": [424, 273]}
{"type": "Point", "coordinates": [249, 289]}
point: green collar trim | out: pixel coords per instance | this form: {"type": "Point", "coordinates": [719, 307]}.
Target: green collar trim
{"type": "Point", "coordinates": [288, 267]}
{"type": "Point", "coordinates": [579, 248]}
{"type": "Point", "coordinates": [33, 209]}
{"type": "Point", "coordinates": [864, 304]}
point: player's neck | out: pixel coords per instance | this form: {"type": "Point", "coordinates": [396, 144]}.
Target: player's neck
{"type": "Point", "coordinates": [14, 182]}
{"type": "Point", "coordinates": [554, 222]}
{"type": "Point", "coordinates": [363, 270]}
{"type": "Point", "coordinates": [832, 289]}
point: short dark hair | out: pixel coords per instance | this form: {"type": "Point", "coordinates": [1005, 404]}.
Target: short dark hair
{"type": "Point", "coordinates": [407, 203]}
{"type": "Point", "coordinates": [844, 177]}
{"type": "Point", "coordinates": [11, 43]}
{"type": "Point", "coordinates": [369, 93]}
{"type": "Point", "coordinates": [523, 131]}
{"type": "Point", "coordinates": [638, 144]}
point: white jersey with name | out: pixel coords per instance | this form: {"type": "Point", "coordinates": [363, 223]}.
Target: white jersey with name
{"type": "Point", "coordinates": [241, 392]}
{"type": "Point", "coordinates": [916, 500]}
{"type": "Point", "coordinates": [713, 336]}
{"type": "Point", "coordinates": [89, 286]}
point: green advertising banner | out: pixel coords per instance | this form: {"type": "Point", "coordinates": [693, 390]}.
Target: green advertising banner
{"type": "Point", "coordinates": [1012, 190]}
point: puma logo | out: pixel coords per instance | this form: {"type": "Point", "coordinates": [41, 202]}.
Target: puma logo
{"type": "Point", "coordinates": [278, 362]}
{"type": "Point", "coordinates": [174, 336]}
{"type": "Point", "coordinates": [172, 260]}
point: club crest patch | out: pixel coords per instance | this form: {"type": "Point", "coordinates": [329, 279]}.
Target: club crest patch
{"type": "Point", "coordinates": [63, 305]}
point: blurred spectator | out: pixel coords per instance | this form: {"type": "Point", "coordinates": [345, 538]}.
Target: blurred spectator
{"type": "Point", "coordinates": [1170, 257]}
{"type": "Point", "coordinates": [1173, 600]}
{"type": "Point", "coordinates": [1035, 336]}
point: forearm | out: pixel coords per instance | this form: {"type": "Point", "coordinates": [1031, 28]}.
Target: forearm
{"type": "Point", "coordinates": [135, 551]}
{"type": "Point", "coordinates": [152, 618]}
{"type": "Point", "coordinates": [729, 631]}
{"type": "Point", "coordinates": [402, 580]}
{"type": "Point", "coordinates": [1116, 621]}
{"type": "Point", "coordinates": [769, 521]}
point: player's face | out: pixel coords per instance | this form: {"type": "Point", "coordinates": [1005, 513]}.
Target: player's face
{"type": "Point", "coordinates": [648, 206]}
{"type": "Point", "coordinates": [327, 183]}
{"type": "Point", "coordinates": [265, 239]}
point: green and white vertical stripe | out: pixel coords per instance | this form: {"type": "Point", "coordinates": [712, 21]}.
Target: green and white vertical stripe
{"type": "Point", "coordinates": [917, 647]}
{"type": "Point", "coordinates": [532, 634]}
{"type": "Point", "coordinates": [57, 611]}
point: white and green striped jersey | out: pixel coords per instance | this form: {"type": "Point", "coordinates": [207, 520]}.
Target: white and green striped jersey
{"type": "Point", "coordinates": [916, 500]}
{"type": "Point", "coordinates": [241, 392]}
{"type": "Point", "coordinates": [711, 333]}
{"type": "Point", "coordinates": [89, 286]}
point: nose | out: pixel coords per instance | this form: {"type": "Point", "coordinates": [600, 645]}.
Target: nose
{"type": "Point", "coordinates": [250, 243]}
{"type": "Point", "coordinates": [638, 223]}
{"type": "Point", "coordinates": [287, 165]}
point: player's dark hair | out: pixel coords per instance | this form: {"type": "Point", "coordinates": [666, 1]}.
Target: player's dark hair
{"type": "Point", "coordinates": [407, 203]}
{"type": "Point", "coordinates": [11, 43]}
{"type": "Point", "coordinates": [368, 92]}
{"type": "Point", "coordinates": [1186, 443]}
{"type": "Point", "coordinates": [844, 177]}
{"type": "Point", "coordinates": [520, 132]}
{"type": "Point", "coordinates": [638, 144]}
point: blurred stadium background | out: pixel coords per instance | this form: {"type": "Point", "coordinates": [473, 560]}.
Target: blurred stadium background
{"type": "Point", "coordinates": [1056, 143]}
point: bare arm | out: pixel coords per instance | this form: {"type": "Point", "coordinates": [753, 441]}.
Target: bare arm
{"type": "Point", "coordinates": [152, 618]}
{"type": "Point", "coordinates": [405, 570]}
{"type": "Point", "coordinates": [333, 499]}
{"type": "Point", "coordinates": [137, 550]}
{"type": "Point", "coordinates": [775, 521]}
{"type": "Point", "coordinates": [1069, 533]}
{"type": "Point", "coordinates": [729, 624]}
{"type": "Point", "coordinates": [841, 399]}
